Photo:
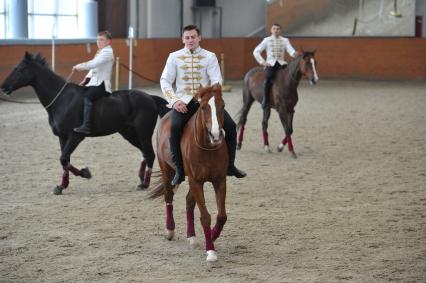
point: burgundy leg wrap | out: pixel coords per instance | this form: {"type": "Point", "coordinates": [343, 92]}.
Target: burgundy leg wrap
{"type": "Point", "coordinates": [74, 170]}
{"type": "Point", "coordinates": [147, 178]}
{"type": "Point", "coordinates": [65, 179]}
{"type": "Point", "coordinates": [208, 236]}
{"type": "Point", "coordinates": [190, 229]}
{"type": "Point", "coordinates": [142, 169]}
{"type": "Point", "coordinates": [284, 141]}
{"type": "Point", "coordinates": [170, 222]}
{"type": "Point", "coordinates": [265, 138]}
{"type": "Point", "coordinates": [241, 135]}
{"type": "Point", "coordinates": [290, 145]}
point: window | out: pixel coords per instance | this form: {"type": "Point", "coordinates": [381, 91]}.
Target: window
{"type": "Point", "coordinates": [2, 19]}
{"type": "Point", "coordinates": [53, 17]}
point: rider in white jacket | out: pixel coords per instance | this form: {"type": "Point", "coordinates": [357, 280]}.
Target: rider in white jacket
{"type": "Point", "coordinates": [98, 79]}
{"type": "Point", "coordinates": [275, 46]}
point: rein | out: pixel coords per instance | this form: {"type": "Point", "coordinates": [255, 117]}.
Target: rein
{"type": "Point", "coordinates": [60, 91]}
{"type": "Point", "coordinates": [196, 137]}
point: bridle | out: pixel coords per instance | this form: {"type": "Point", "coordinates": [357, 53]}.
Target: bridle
{"type": "Point", "coordinates": [196, 137]}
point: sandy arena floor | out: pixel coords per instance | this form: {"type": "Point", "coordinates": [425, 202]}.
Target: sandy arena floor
{"type": "Point", "coordinates": [351, 208]}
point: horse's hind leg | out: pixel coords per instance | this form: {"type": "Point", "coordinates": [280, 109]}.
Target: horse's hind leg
{"type": "Point", "coordinates": [205, 218]}
{"type": "Point", "coordinates": [220, 191]}
{"type": "Point", "coordinates": [190, 227]}
{"type": "Point", "coordinates": [247, 103]}
{"type": "Point", "coordinates": [68, 145]}
{"type": "Point", "coordinates": [147, 152]}
{"type": "Point", "coordinates": [266, 115]}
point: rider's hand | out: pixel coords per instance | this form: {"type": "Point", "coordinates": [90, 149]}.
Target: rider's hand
{"type": "Point", "coordinates": [74, 69]}
{"type": "Point", "coordinates": [180, 106]}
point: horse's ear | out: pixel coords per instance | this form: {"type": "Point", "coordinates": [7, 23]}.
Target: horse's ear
{"type": "Point", "coordinates": [28, 55]}
{"type": "Point", "coordinates": [217, 86]}
{"type": "Point", "coordinates": [313, 52]}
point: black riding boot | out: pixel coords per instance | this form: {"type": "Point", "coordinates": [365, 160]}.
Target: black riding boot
{"type": "Point", "coordinates": [266, 94]}
{"type": "Point", "coordinates": [85, 128]}
{"type": "Point", "coordinates": [177, 160]}
{"type": "Point", "coordinates": [231, 143]}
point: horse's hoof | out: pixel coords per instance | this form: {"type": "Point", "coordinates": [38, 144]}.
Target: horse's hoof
{"type": "Point", "coordinates": [193, 243]}
{"type": "Point", "coordinates": [280, 147]}
{"type": "Point", "coordinates": [239, 146]}
{"type": "Point", "coordinates": [169, 234]}
{"type": "Point", "coordinates": [85, 173]}
{"type": "Point", "coordinates": [293, 154]}
{"type": "Point", "coordinates": [58, 190]}
{"type": "Point", "coordinates": [211, 256]}
{"type": "Point", "coordinates": [142, 187]}
{"type": "Point", "coordinates": [267, 149]}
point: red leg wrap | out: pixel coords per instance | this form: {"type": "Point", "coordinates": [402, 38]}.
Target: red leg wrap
{"type": "Point", "coordinates": [170, 222]}
{"type": "Point", "coordinates": [290, 145]}
{"type": "Point", "coordinates": [65, 179]}
{"type": "Point", "coordinates": [147, 178]}
{"type": "Point", "coordinates": [241, 135]}
{"type": "Point", "coordinates": [265, 138]}
{"type": "Point", "coordinates": [74, 170]}
{"type": "Point", "coordinates": [208, 236]}
{"type": "Point", "coordinates": [190, 229]}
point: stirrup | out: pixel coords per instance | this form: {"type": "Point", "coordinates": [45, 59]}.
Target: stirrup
{"type": "Point", "coordinates": [177, 179]}
{"type": "Point", "coordinates": [83, 130]}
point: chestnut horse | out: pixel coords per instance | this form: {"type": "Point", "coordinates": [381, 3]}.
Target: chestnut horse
{"type": "Point", "coordinates": [284, 96]}
{"type": "Point", "coordinates": [205, 159]}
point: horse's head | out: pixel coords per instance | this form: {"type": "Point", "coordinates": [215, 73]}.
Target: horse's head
{"type": "Point", "coordinates": [308, 66]}
{"type": "Point", "coordinates": [212, 109]}
{"type": "Point", "coordinates": [22, 75]}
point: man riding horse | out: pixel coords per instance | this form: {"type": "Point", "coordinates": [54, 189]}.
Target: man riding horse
{"type": "Point", "coordinates": [98, 80]}
{"type": "Point", "coordinates": [275, 46]}
{"type": "Point", "coordinates": [190, 67]}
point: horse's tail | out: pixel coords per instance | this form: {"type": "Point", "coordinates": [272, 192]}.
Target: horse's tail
{"type": "Point", "coordinates": [157, 191]}
{"type": "Point", "coordinates": [161, 105]}
{"type": "Point", "coordinates": [246, 96]}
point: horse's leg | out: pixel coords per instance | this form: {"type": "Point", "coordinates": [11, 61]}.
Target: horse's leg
{"type": "Point", "coordinates": [247, 103]}
{"type": "Point", "coordinates": [286, 118]}
{"type": "Point", "coordinates": [190, 227]}
{"type": "Point", "coordinates": [68, 145]}
{"type": "Point", "coordinates": [220, 191]}
{"type": "Point", "coordinates": [148, 156]}
{"type": "Point", "coordinates": [266, 115]}
{"type": "Point", "coordinates": [205, 218]}
{"type": "Point", "coordinates": [167, 175]}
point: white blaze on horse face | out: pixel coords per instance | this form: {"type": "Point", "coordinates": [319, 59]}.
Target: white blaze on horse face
{"type": "Point", "coordinates": [215, 124]}
{"type": "Point", "coordinates": [314, 70]}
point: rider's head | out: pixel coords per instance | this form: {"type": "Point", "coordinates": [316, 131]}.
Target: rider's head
{"type": "Point", "coordinates": [276, 29]}
{"type": "Point", "coordinates": [191, 37]}
{"type": "Point", "coordinates": [103, 39]}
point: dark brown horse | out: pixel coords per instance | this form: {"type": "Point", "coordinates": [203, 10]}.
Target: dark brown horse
{"type": "Point", "coordinates": [284, 96]}
{"type": "Point", "coordinates": [205, 158]}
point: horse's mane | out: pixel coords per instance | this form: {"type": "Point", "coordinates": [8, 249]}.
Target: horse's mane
{"type": "Point", "coordinates": [38, 58]}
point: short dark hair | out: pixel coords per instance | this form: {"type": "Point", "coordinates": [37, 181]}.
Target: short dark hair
{"type": "Point", "coordinates": [105, 33]}
{"type": "Point", "coordinates": [191, 27]}
{"type": "Point", "coordinates": [278, 25]}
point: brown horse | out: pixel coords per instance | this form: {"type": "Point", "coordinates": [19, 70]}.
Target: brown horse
{"type": "Point", "coordinates": [284, 96]}
{"type": "Point", "coordinates": [205, 159]}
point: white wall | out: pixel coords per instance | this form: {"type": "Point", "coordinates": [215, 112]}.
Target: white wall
{"type": "Point", "coordinates": [162, 18]}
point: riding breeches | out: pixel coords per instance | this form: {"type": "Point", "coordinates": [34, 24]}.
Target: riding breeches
{"type": "Point", "coordinates": [95, 92]}
{"type": "Point", "coordinates": [271, 72]}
